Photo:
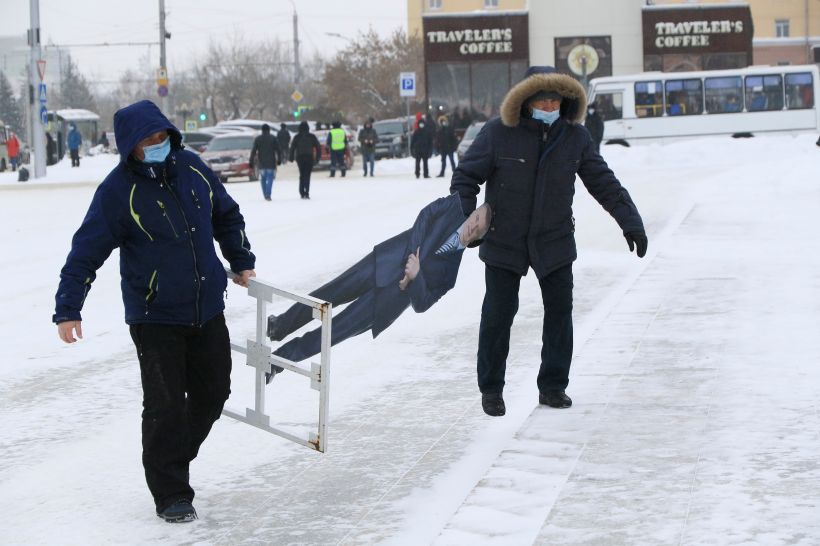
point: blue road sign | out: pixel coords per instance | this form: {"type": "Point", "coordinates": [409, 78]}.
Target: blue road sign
{"type": "Point", "coordinates": [407, 84]}
{"type": "Point", "coordinates": [41, 92]}
{"type": "Point", "coordinates": [44, 114]}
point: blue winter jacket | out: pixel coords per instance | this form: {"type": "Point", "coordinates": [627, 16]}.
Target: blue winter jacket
{"type": "Point", "coordinates": [75, 139]}
{"type": "Point", "coordinates": [164, 218]}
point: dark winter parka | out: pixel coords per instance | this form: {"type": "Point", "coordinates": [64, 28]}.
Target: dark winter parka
{"type": "Point", "coordinates": [368, 137]}
{"type": "Point", "coordinates": [422, 142]}
{"type": "Point", "coordinates": [530, 171]}
{"type": "Point", "coordinates": [305, 144]}
{"type": "Point", "coordinates": [164, 218]}
{"type": "Point", "coordinates": [446, 139]}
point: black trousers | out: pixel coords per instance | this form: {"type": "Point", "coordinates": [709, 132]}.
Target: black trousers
{"type": "Point", "coordinates": [337, 160]}
{"type": "Point", "coordinates": [357, 284]}
{"type": "Point", "coordinates": [75, 158]}
{"type": "Point", "coordinates": [186, 378]}
{"type": "Point", "coordinates": [418, 171]}
{"type": "Point", "coordinates": [305, 164]}
{"type": "Point", "coordinates": [444, 156]}
{"type": "Point", "coordinates": [497, 313]}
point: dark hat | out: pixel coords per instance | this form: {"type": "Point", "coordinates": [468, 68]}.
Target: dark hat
{"type": "Point", "coordinates": [545, 95]}
{"type": "Point", "coordinates": [546, 69]}
{"type": "Point", "coordinates": [303, 126]}
{"type": "Point", "coordinates": [265, 128]}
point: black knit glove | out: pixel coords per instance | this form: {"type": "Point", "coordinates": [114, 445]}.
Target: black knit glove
{"type": "Point", "coordinates": [637, 240]}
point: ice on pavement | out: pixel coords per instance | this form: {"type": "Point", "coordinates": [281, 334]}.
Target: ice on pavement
{"type": "Point", "coordinates": [695, 375]}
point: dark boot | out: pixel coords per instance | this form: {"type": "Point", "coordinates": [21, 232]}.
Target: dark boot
{"type": "Point", "coordinates": [179, 512]}
{"type": "Point", "coordinates": [493, 404]}
{"type": "Point", "coordinates": [273, 332]}
{"type": "Point", "coordinates": [555, 399]}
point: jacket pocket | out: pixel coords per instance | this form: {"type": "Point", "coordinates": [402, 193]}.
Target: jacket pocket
{"type": "Point", "coordinates": [515, 159]}
{"type": "Point", "coordinates": [167, 218]}
{"type": "Point", "coordinates": [151, 291]}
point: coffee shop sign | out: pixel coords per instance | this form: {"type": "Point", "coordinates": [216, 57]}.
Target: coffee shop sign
{"type": "Point", "coordinates": [693, 33]}
{"type": "Point", "coordinates": [475, 41]}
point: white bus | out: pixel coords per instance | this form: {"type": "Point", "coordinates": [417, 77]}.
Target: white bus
{"type": "Point", "coordinates": [737, 102]}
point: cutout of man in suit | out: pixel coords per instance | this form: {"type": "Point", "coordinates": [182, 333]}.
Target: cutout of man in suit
{"type": "Point", "coordinates": [414, 268]}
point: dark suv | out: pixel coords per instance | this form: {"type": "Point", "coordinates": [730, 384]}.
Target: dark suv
{"type": "Point", "coordinates": [393, 138]}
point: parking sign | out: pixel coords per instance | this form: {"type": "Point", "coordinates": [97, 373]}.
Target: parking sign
{"type": "Point", "coordinates": [407, 84]}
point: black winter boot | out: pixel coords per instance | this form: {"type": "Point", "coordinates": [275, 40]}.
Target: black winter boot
{"type": "Point", "coordinates": [555, 399]}
{"type": "Point", "coordinates": [493, 404]}
{"type": "Point", "coordinates": [179, 512]}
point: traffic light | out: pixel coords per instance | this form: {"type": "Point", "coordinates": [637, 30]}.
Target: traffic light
{"type": "Point", "coordinates": [203, 116]}
{"type": "Point", "coordinates": [297, 113]}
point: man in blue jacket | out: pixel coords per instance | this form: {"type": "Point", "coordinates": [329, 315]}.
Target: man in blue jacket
{"type": "Point", "coordinates": [414, 268]}
{"type": "Point", "coordinates": [75, 140]}
{"type": "Point", "coordinates": [163, 208]}
{"type": "Point", "coordinates": [529, 157]}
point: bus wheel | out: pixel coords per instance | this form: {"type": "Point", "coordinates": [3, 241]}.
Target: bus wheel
{"type": "Point", "coordinates": [742, 135]}
{"type": "Point", "coordinates": [620, 141]}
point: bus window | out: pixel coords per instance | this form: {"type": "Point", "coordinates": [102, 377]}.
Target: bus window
{"type": "Point", "coordinates": [799, 92]}
{"type": "Point", "coordinates": [648, 99]}
{"type": "Point", "coordinates": [764, 93]}
{"type": "Point", "coordinates": [723, 95]}
{"type": "Point", "coordinates": [610, 105]}
{"type": "Point", "coordinates": [684, 97]}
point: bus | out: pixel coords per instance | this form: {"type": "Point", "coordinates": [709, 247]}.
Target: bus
{"type": "Point", "coordinates": [738, 102]}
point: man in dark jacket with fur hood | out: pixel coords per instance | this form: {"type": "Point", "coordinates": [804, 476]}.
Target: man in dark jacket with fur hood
{"type": "Point", "coordinates": [163, 208]}
{"type": "Point", "coordinates": [529, 158]}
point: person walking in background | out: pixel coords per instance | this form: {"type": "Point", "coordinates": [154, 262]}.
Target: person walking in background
{"type": "Point", "coordinates": [163, 208]}
{"type": "Point", "coordinates": [529, 158]}
{"type": "Point", "coordinates": [13, 148]}
{"type": "Point", "coordinates": [51, 149]}
{"type": "Point", "coordinates": [75, 140]}
{"type": "Point", "coordinates": [104, 141]}
{"type": "Point", "coordinates": [266, 151]}
{"type": "Point", "coordinates": [595, 126]}
{"type": "Point", "coordinates": [446, 142]}
{"type": "Point", "coordinates": [337, 144]}
{"type": "Point", "coordinates": [367, 140]}
{"type": "Point", "coordinates": [305, 149]}
{"type": "Point", "coordinates": [422, 147]}
{"type": "Point", "coordinates": [283, 136]}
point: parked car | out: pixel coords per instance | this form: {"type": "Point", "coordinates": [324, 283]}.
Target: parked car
{"type": "Point", "coordinates": [393, 138]}
{"type": "Point", "coordinates": [252, 124]}
{"type": "Point", "coordinates": [229, 155]}
{"type": "Point", "coordinates": [469, 136]}
{"type": "Point", "coordinates": [197, 141]}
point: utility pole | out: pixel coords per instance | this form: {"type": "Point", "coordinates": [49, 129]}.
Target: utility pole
{"type": "Point", "coordinates": [297, 76]}
{"type": "Point", "coordinates": [37, 135]}
{"type": "Point", "coordinates": [162, 60]}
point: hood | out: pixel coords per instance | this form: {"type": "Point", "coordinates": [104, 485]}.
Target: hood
{"type": "Point", "coordinates": [138, 121]}
{"type": "Point", "coordinates": [573, 105]}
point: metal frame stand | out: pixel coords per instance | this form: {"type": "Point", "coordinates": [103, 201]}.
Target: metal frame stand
{"type": "Point", "coordinates": [258, 356]}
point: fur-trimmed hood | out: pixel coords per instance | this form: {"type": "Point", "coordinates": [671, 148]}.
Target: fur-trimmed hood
{"type": "Point", "coordinates": [573, 105]}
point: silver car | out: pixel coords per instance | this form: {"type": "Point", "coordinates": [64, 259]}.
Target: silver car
{"type": "Point", "coordinates": [469, 136]}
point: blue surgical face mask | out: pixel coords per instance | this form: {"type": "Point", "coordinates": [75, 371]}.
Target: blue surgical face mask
{"type": "Point", "coordinates": [156, 153]}
{"type": "Point", "coordinates": [547, 117]}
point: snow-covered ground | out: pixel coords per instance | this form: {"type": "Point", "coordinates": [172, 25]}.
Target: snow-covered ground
{"type": "Point", "coordinates": [695, 375]}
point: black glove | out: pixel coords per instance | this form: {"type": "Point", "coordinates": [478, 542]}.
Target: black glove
{"type": "Point", "coordinates": [637, 239]}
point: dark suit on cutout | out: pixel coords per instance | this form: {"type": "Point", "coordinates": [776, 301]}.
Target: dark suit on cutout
{"type": "Point", "coordinates": [372, 284]}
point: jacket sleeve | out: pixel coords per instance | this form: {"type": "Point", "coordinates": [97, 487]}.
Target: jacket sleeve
{"type": "Point", "coordinates": [602, 184]}
{"type": "Point", "coordinates": [318, 149]}
{"type": "Point", "coordinates": [229, 226]}
{"type": "Point", "coordinates": [473, 170]}
{"type": "Point", "coordinates": [98, 235]}
{"type": "Point", "coordinates": [254, 150]}
{"type": "Point", "coordinates": [422, 297]}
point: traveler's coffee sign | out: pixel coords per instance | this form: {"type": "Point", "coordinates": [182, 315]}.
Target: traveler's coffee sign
{"type": "Point", "coordinates": [692, 29]}
{"type": "Point", "coordinates": [477, 38]}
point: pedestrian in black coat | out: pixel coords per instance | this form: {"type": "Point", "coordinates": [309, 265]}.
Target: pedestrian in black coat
{"type": "Point", "coordinates": [595, 126]}
{"type": "Point", "coordinates": [266, 155]}
{"type": "Point", "coordinates": [305, 149]}
{"type": "Point", "coordinates": [446, 142]}
{"type": "Point", "coordinates": [283, 136]}
{"type": "Point", "coordinates": [529, 159]}
{"type": "Point", "coordinates": [414, 268]}
{"type": "Point", "coordinates": [422, 147]}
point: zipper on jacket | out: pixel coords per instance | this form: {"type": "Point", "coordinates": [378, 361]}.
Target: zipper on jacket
{"type": "Point", "coordinates": [196, 199]}
{"type": "Point", "coordinates": [86, 288]}
{"type": "Point", "coordinates": [167, 218]}
{"type": "Point", "coordinates": [519, 159]}
{"type": "Point", "coordinates": [193, 250]}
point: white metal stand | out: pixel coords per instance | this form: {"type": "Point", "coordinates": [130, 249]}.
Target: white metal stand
{"type": "Point", "coordinates": [258, 356]}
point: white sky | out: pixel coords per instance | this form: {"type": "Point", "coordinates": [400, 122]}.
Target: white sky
{"type": "Point", "coordinates": [192, 24]}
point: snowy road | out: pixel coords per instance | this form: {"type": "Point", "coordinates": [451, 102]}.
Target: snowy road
{"type": "Point", "coordinates": [695, 378]}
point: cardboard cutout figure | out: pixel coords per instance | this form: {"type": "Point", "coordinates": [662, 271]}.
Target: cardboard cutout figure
{"type": "Point", "coordinates": [414, 268]}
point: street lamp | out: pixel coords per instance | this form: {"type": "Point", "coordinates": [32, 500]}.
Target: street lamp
{"type": "Point", "coordinates": [337, 35]}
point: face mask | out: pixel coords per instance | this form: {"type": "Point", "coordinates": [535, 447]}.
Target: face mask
{"type": "Point", "coordinates": [547, 117]}
{"type": "Point", "coordinates": [591, 111]}
{"type": "Point", "coordinates": [157, 153]}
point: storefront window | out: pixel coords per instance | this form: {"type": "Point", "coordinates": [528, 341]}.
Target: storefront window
{"type": "Point", "coordinates": [799, 92]}
{"type": "Point", "coordinates": [764, 93]}
{"type": "Point", "coordinates": [648, 99]}
{"type": "Point", "coordinates": [449, 85]}
{"type": "Point", "coordinates": [684, 97]}
{"type": "Point", "coordinates": [724, 95]}
{"type": "Point", "coordinates": [490, 82]}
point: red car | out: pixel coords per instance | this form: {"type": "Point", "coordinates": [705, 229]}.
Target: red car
{"type": "Point", "coordinates": [229, 155]}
